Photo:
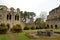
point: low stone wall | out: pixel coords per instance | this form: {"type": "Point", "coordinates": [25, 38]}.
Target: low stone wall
{"type": "Point", "coordinates": [45, 33]}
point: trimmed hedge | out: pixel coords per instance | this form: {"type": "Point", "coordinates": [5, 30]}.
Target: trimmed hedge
{"type": "Point", "coordinates": [3, 28]}
{"type": "Point", "coordinates": [33, 28]}
{"type": "Point", "coordinates": [26, 28]}
{"type": "Point", "coordinates": [16, 28]}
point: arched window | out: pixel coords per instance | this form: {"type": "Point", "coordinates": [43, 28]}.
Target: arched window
{"type": "Point", "coordinates": [8, 16]}
{"type": "Point", "coordinates": [55, 26]}
{"type": "Point", "coordinates": [16, 17]}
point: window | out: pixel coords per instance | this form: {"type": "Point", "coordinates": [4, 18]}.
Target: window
{"type": "Point", "coordinates": [8, 17]}
{"type": "Point", "coordinates": [16, 17]}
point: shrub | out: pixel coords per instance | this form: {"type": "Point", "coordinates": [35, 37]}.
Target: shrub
{"type": "Point", "coordinates": [26, 28]}
{"type": "Point", "coordinates": [32, 28]}
{"type": "Point", "coordinates": [16, 28]}
{"type": "Point", "coordinates": [41, 27]}
{"type": "Point", "coordinates": [3, 28]}
{"type": "Point", "coordinates": [37, 28]}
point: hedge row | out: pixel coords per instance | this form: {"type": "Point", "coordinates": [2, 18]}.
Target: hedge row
{"type": "Point", "coordinates": [4, 28]}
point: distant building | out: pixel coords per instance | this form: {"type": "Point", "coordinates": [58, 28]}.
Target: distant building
{"type": "Point", "coordinates": [30, 24]}
{"type": "Point", "coordinates": [10, 17]}
{"type": "Point", "coordinates": [53, 19]}
{"type": "Point", "coordinates": [37, 24]}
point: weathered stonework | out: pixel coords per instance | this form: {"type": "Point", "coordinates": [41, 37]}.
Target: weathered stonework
{"type": "Point", "coordinates": [53, 19]}
{"type": "Point", "coordinates": [11, 20]}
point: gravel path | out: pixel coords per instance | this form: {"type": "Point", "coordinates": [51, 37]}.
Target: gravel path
{"type": "Point", "coordinates": [12, 37]}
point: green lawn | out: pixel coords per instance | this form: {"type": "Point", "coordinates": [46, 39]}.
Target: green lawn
{"type": "Point", "coordinates": [4, 37]}
{"type": "Point", "coordinates": [22, 36]}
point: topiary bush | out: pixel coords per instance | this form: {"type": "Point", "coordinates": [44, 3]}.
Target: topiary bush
{"type": "Point", "coordinates": [3, 28]}
{"type": "Point", "coordinates": [26, 28]}
{"type": "Point", "coordinates": [16, 28]}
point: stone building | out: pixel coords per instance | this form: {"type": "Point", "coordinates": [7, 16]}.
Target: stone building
{"type": "Point", "coordinates": [37, 24]}
{"type": "Point", "coordinates": [53, 19]}
{"type": "Point", "coordinates": [10, 16]}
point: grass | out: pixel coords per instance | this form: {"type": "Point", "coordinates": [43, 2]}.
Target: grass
{"type": "Point", "coordinates": [22, 36]}
{"type": "Point", "coordinates": [4, 37]}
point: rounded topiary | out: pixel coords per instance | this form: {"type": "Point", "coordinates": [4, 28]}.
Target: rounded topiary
{"type": "Point", "coordinates": [16, 28]}
{"type": "Point", "coordinates": [3, 28]}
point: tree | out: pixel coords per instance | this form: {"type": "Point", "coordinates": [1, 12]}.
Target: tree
{"type": "Point", "coordinates": [28, 15]}
{"type": "Point", "coordinates": [21, 14]}
{"type": "Point", "coordinates": [25, 15]}
{"type": "Point", "coordinates": [38, 20]}
{"type": "Point", "coordinates": [32, 14]}
{"type": "Point", "coordinates": [43, 16]}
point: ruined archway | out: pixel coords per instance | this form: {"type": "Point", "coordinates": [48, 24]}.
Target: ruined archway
{"type": "Point", "coordinates": [51, 26]}
{"type": "Point", "coordinates": [16, 17]}
{"type": "Point", "coordinates": [9, 16]}
{"type": "Point", "coordinates": [55, 26]}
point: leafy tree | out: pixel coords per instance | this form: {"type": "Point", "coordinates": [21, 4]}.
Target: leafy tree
{"type": "Point", "coordinates": [21, 14]}
{"type": "Point", "coordinates": [43, 16]}
{"type": "Point", "coordinates": [32, 14]}
{"type": "Point", "coordinates": [27, 15]}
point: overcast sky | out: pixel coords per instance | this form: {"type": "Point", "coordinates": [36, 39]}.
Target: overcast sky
{"type": "Point", "coordinates": [32, 5]}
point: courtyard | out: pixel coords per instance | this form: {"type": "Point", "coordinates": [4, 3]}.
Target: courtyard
{"type": "Point", "coordinates": [22, 35]}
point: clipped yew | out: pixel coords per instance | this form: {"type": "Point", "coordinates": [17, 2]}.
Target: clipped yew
{"type": "Point", "coordinates": [3, 28]}
{"type": "Point", "coordinates": [16, 28]}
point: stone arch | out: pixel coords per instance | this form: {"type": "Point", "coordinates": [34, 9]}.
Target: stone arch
{"type": "Point", "coordinates": [47, 26]}
{"type": "Point", "coordinates": [16, 17]}
{"type": "Point", "coordinates": [51, 26]}
{"type": "Point", "coordinates": [9, 16]}
{"type": "Point", "coordinates": [55, 26]}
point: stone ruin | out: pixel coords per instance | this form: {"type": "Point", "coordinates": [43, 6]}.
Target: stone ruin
{"type": "Point", "coordinates": [45, 33]}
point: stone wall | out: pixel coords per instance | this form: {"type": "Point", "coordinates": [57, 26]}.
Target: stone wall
{"type": "Point", "coordinates": [53, 19]}
{"type": "Point", "coordinates": [12, 12]}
